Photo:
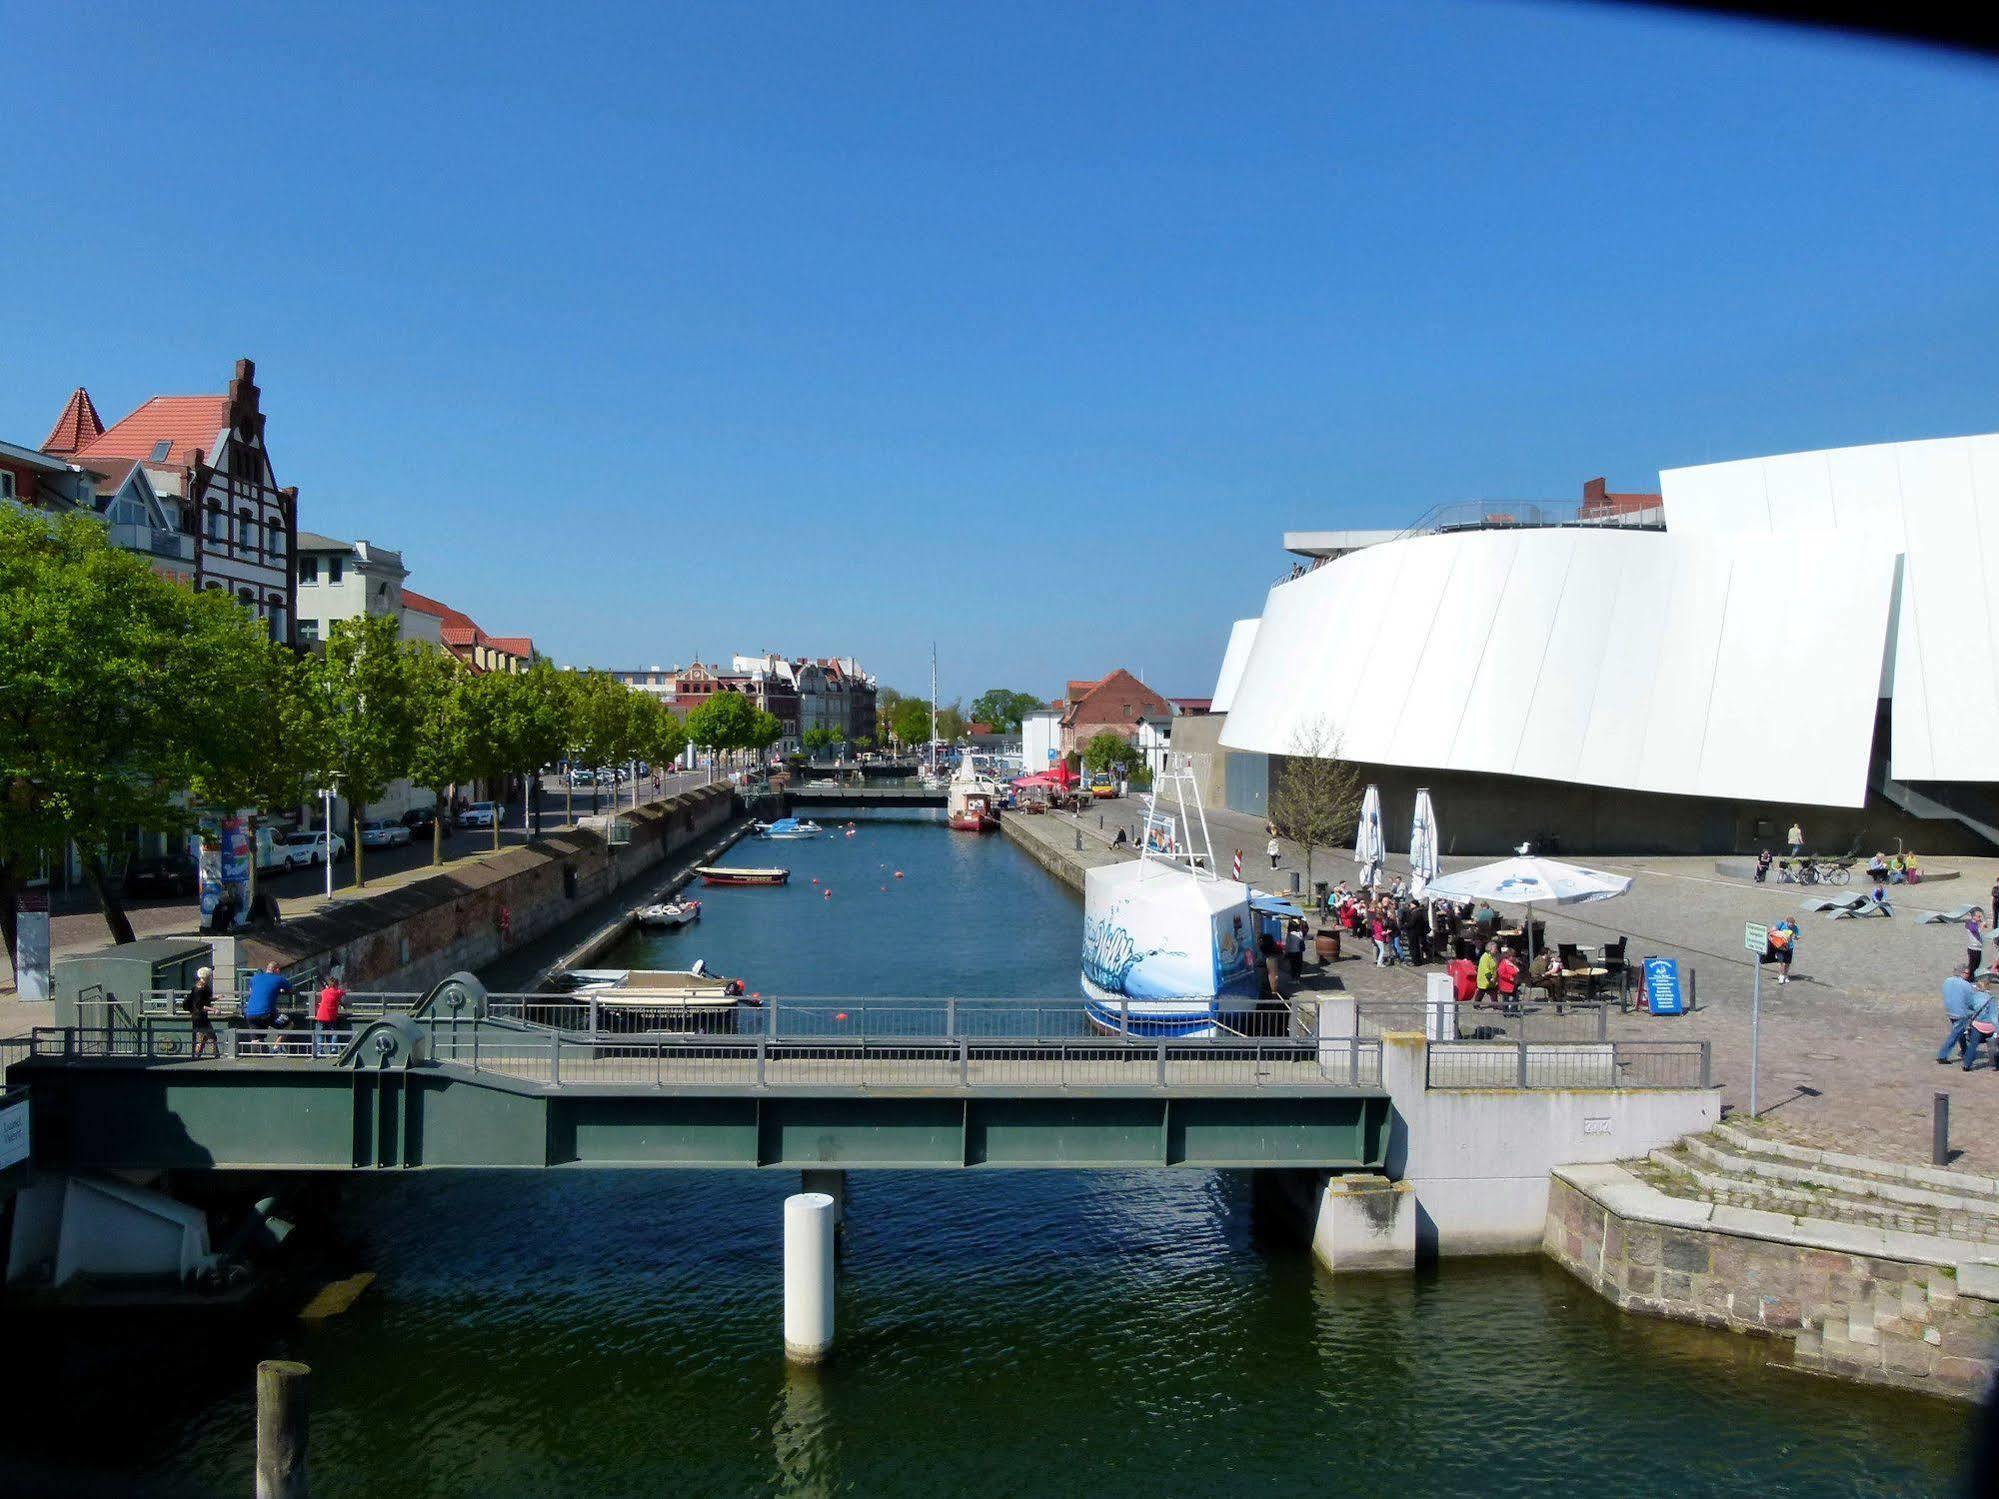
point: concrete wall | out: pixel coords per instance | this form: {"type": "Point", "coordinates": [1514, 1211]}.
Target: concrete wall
{"type": "Point", "coordinates": [1479, 1159]}
{"type": "Point", "coordinates": [1198, 736]}
{"type": "Point", "coordinates": [1876, 1318]}
{"type": "Point", "coordinates": [463, 918]}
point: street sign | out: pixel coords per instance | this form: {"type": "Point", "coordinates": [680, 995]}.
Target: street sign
{"type": "Point", "coordinates": [1662, 987]}
{"type": "Point", "coordinates": [1756, 938]}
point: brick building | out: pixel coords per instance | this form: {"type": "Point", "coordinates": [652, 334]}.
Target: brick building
{"type": "Point", "coordinates": [1117, 702]}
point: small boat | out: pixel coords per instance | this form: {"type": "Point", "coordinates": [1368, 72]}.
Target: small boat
{"type": "Point", "coordinates": [972, 805]}
{"type": "Point", "coordinates": [633, 1001]}
{"type": "Point", "coordinates": [719, 874]}
{"type": "Point", "coordinates": [668, 913]}
{"type": "Point", "coordinates": [788, 827]}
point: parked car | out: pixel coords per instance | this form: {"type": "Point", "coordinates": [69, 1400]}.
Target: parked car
{"type": "Point", "coordinates": [583, 776]}
{"type": "Point", "coordinates": [308, 849]}
{"type": "Point", "coordinates": [163, 874]}
{"type": "Point", "coordinates": [420, 820]}
{"type": "Point", "coordinates": [479, 815]}
{"type": "Point", "coordinates": [381, 832]}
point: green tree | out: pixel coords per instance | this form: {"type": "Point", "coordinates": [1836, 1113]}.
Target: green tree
{"type": "Point", "coordinates": [363, 709]}
{"type": "Point", "coordinates": [726, 721]}
{"type": "Point", "coordinates": [952, 723]}
{"type": "Point", "coordinates": [815, 740]}
{"type": "Point", "coordinates": [1108, 750]}
{"type": "Point", "coordinates": [1003, 709]}
{"type": "Point", "coordinates": [909, 721]}
{"type": "Point", "coordinates": [657, 731]}
{"type": "Point", "coordinates": [118, 690]}
{"type": "Point", "coordinates": [766, 729]}
{"type": "Point", "coordinates": [441, 754]}
{"type": "Point", "coordinates": [515, 725]}
{"type": "Point", "coordinates": [597, 719]}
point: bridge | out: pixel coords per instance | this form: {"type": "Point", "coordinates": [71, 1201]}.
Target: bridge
{"type": "Point", "coordinates": [827, 794]}
{"type": "Point", "coordinates": [467, 1079]}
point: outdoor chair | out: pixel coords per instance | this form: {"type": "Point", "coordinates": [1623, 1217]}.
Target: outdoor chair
{"type": "Point", "coordinates": [1865, 905]}
{"type": "Point", "coordinates": [1611, 961]}
{"type": "Point", "coordinates": [1945, 918]}
{"type": "Point", "coordinates": [1540, 934]}
{"type": "Point", "coordinates": [1572, 955]}
{"type": "Point", "coordinates": [1844, 905]}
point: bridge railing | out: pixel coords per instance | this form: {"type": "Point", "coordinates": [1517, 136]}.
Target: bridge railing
{"type": "Point", "coordinates": [1584, 1065]}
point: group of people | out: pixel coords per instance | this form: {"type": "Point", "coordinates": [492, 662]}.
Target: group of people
{"type": "Point", "coordinates": [1402, 928]}
{"type": "Point", "coordinates": [1972, 1012]}
{"type": "Point", "coordinates": [262, 1010]}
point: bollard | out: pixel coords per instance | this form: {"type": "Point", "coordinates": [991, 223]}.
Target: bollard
{"type": "Point", "coordinates": [808, 1277]}
{"type": "Point", "coordinates": [283, 1395]}
{"type": "Point", "coordinates": [1079, 839]}
{"type": "Point", "coordinates": [1940, 1131]}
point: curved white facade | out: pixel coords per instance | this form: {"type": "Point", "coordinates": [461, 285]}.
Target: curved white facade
{"type": "Point", "coordinates": [1738, 666]}
{"type": "Point", "coordinates": [1933, 503]}
{"type": "Point", "coordinates": [1242, 636]}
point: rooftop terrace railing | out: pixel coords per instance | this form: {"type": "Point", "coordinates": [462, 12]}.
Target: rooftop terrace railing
{"type": "Point", "coordinates": [1582, 1065]}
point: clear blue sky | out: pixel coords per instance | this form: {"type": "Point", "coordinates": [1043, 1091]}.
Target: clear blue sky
{"type": "Point", "coordinates": [652, 331]}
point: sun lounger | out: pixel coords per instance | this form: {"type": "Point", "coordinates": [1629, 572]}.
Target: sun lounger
{"type": "Point", "coordinates": [1868, 906]}
{"type": "Point", "coordinates": [1845, 903]}
{"type": "Point", "coordinates": [1945, 918]}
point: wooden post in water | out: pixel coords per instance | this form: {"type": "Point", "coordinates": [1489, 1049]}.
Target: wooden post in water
{"type": "Point", "coordinates": [284, 1391]}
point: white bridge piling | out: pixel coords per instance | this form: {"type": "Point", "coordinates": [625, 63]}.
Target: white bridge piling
{"type": "Point", "coordinates": [809, 1219]}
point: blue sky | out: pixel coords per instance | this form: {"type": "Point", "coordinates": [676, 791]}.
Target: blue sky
{"type": "Point", "coordinates": [655, 331]}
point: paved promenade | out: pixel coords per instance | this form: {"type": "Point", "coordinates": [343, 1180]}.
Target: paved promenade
{"type": "Point", "coordinates": [1848, 1048]}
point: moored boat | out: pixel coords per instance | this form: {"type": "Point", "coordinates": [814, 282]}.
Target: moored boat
{"type": "Point", "coordinates": [787, 827]}
{"type": "Point", "coordinates": [668, 913]}
{"type": "Point", "coordinates": [631, 1001]}
{"type": "Point", "coordinates": [730, 874]}
{"type": "Point", "coordinates": [971, 803]}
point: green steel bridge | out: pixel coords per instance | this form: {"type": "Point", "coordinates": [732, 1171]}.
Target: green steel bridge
{"type": "Point", "coordinates": [464, 1079]}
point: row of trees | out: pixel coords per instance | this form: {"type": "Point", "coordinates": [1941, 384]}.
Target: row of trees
{"type": "Point", "coordinates": [130, 703]}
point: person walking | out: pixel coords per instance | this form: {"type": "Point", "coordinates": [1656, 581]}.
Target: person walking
{"type": "Point", "coordinates": [1294, 947]}
{"type": "Point", "coordinates": [200, 999]}
{"type": "Point", "coordinates": [1784, 947]}
{"type": "Point", "coordinates": [1965, 1006]}
{"type": "Point", "coordinates": [1507, 976]}
{"type": "Point", "coordinates": [1488, 976]}
{"type": "Point", "coordinates": [326, 1015]}
{"type": "Point", "coordinates": [1974, 941]}
{"type": "Point", "coordinates": [1797, 836]}
{"type": "Point", "coordinates": [1272, 850]}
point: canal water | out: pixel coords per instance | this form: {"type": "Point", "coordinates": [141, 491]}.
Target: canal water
{"type": "Point", "coordinates": [1146, 1333]}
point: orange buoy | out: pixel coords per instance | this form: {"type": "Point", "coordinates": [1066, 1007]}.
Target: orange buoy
{"type": "Point", "coordinates": [841, 1016]}
{"type": "Point", "coordinates": [898, 874]}
{"type": "Point", "coordinates": [827, 892]}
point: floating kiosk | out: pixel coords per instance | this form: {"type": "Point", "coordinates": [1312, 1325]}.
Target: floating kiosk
{"type": "Point", "coordinates": [1169, 947]}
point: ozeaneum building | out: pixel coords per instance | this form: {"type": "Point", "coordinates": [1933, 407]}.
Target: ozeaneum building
{"type": "Point", "coordinates": [1813, 636]}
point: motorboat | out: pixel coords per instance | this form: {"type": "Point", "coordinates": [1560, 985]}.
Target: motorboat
{"type": "Point", "coordinates": [734, 874]}
{"type": "Point", "coordinates": [787, 827]}
{"type": "Point", "coordinates": [971, 802]}
{"type": "Point", "coordinates": [1169, 947]}
{"type": "Point", "coordinates": [668, 913]}
{"type": "Point", "coordinates": [639, 1000]}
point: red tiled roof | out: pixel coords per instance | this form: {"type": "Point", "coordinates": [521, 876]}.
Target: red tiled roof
{"type": "Point", "coordinates": [185, 422]}
{"type": "Point", "coordinates": [78, 425]}
{"type": "Point", "coordinates": [1079, 689]}
{"type": "Point", "coordinates": [513, 645]}
{"type": "Point", "coordinates": [424, 604]}
{"type": "Point", "coordinates": [109, 472]}
{"type": "Point", "coordinates": [456, 634]}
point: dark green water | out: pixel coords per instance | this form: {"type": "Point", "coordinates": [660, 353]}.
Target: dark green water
{"type": "Point", "coordinates": [1024, 1333]}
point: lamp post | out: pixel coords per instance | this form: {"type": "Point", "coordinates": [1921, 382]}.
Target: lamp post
{"type": "Point", "coordinates": [326, 794]}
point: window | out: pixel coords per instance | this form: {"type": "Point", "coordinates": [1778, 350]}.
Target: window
{"type": "Point", "coordinates": [275, 610]}
{"type": "Point", "coordinates": [218, 528]}
{"type": "Point", "coordinates": [308, 572]}
{"type": "Point", "coordinates": [334, 567]}
{"type": "Point", "coordinates": [246, 598]}
{"type": "Point", "coordinates": [160, 450]}
{"type": "Point", "coordinates": [246, 530]}
{"type": "Point", "coordinates": [308, 632]}
{"type": "Point", "coordinates": [6, 484]}
{"type": "Point", "coordinates": [274, 539]}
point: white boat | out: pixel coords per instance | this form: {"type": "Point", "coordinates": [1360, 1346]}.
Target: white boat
{"type": "Point", "coordinates": [972, 802]}
{"type": "Point", "coordinates": [668, 913]}
{"type": "Point", "coordinates": [1169, 947]}
{"type": "Point", "coordinates": [788, 827]}
{"type": "Point", "coordinates": [637, 1000]}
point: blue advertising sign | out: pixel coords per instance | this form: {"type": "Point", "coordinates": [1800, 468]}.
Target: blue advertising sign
{"type": "Point", "coordinates": [1662, 987]}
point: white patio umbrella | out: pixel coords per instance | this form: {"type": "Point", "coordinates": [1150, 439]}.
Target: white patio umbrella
{"type": "Point", "coordinates": [1529, 882]}
{"type": "Point", "coordinates": [1369, 852]}
{"type": "Point", "coordinates": [1424, 861]}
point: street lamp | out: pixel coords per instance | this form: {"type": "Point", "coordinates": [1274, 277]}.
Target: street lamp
{"type": "Point", "coordinates": [326, 794]}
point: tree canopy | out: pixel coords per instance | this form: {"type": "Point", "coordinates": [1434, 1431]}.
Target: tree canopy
{"type": "Point", "coordinates": [1108, 750]}
{"type": "Point", "coordinates": [1004, 709]}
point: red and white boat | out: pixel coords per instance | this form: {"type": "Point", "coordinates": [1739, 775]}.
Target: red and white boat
{"type": "Point", "coordinates": [971, 804]}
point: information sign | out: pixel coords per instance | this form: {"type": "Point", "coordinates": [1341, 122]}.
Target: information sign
{"type": "Point", "coordinates": [1662, 987]}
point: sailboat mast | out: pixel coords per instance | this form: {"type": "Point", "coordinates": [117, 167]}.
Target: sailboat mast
{"type": "Point", "coordinates": [933, 705]}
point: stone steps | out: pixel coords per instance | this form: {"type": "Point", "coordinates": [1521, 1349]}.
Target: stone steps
{"type": "Point", "coordinates": [1892, 1199]}
{"type": "Point", "coordinates": [1748, 1139]}
{"type": "Point", "coordinates": [1690, 1171]}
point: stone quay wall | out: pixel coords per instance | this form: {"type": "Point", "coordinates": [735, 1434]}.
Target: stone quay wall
{"type": "Point", "coordinates": [466, 916]}
{"type": "Point", "coordinates": [1873, 1318]}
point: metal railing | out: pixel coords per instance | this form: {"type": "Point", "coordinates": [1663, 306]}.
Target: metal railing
{"type": "Point", "coordinates": [1584, 1065]}
{"type": "Point", "coordinates": [1453, 1021]}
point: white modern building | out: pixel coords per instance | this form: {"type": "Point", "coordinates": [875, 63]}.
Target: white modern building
{"type": "Point", "coordinates": [1807, 636]}
{"type": "Point", "coordinates": [1040, 739]}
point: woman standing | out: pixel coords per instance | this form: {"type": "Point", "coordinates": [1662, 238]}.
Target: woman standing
{"type": "Point", "coordinates": [197, 1004]}
{"type": "Point", "coordinates": [1974, 941]}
